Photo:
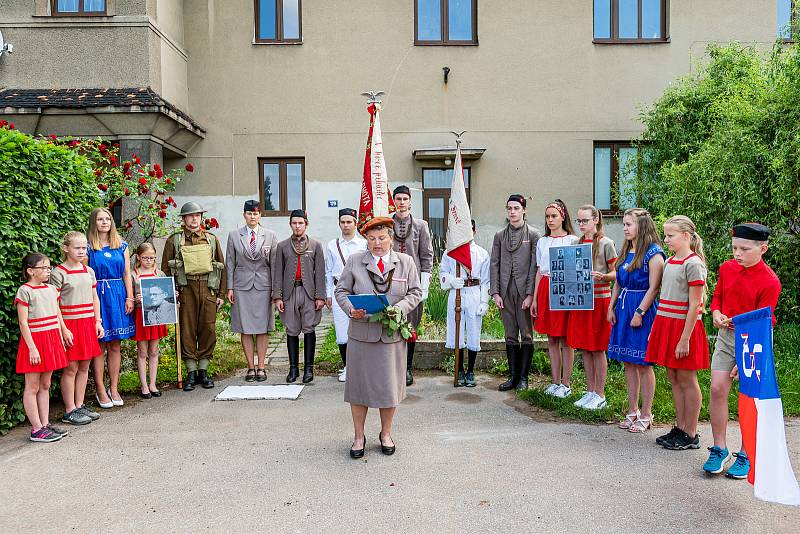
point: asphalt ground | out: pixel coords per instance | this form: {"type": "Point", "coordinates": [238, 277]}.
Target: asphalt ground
{"type": "Point", "coordinates": [473, 460]}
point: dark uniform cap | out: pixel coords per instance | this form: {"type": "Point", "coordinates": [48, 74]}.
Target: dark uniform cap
{"type": "Point", "coordinates": [251, 205]}
{"type": "Point", "coordinates": [401, 189]}
{"type": "Point", "coordinates": [190, 208]}
{"type": "Point", "coordinates": [517, 198]}
{"type": "Point", "coordinates": [298, 213]}
{"type": "Point", "coordinates": [348, 211]}
{"type": "Point", "coordinates": [751, 231]}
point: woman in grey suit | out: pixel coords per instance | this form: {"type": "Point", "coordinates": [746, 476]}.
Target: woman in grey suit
{"type": "Point", "coordinates": [376, 361]}
{"type": "Point", "coordinates": [248, 259]}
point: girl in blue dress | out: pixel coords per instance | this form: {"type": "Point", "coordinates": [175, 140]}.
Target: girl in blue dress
{"type": "Point", "coordinates": [110, 259]}
{"type": "Point", "coordinates": [632, 311]}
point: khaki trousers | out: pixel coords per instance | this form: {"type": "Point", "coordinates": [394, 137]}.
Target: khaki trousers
{"type": "Point", "coordinates": [299, 314]}
{"type": "Point", "coordinates": [198, 317]}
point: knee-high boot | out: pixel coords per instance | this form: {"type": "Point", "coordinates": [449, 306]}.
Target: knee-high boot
{"type": "Point", "coordinates": [513, 357]}
{"type": "Point", "coordinates": [309, 345]}
{"type": "Point", "coordinates": [293, 348]}
{"type": "Point", "coordinates": [410, 362]}
{"type": "Point", "coordinates": [343, 353]}
{"type": "Point", "coordinates": [525, 367]}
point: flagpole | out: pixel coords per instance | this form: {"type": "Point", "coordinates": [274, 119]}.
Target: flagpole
{"type": "Point", "coordinates": [457, 358]}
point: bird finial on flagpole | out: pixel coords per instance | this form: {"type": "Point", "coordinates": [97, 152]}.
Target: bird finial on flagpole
{"type": "Point", "coordinates": [458, 136]}
{"type": "Point", "coordinates": [374, 96]}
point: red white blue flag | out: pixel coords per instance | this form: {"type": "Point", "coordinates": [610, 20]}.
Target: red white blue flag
{"type": "Point", "coordinates": [761, 410]}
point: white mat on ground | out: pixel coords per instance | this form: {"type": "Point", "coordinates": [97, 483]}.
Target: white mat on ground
{"type": "Point", "coordinates": [278, 391]}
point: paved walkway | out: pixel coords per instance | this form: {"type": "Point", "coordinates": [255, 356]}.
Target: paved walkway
{"type": "Point", "coordinates": [471, 460]}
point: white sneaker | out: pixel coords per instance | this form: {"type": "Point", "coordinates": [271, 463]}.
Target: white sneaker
{"type": "Point", "coordinates": [587, 398]}
{"type": "Point", "coordinates": [562, 391]}
{"type": "Point", "coordinates": [597, 403]}
{"type": "Point", "coordinates": [343, 375]}
{"type": "Point", "coordinates": [551, 389]}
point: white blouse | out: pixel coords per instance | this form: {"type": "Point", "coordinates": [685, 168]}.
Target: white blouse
{"type": "Point", "coordinates": [543, 250]}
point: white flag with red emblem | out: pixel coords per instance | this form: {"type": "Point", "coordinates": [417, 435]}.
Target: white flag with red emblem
{"type": "Point", "coordinates": [375, 199]}
{"type": "Point", "coordinates": [459, 218]}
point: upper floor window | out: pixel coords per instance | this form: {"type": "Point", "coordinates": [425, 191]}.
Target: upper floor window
{"type": "Point", "coordinates": [614, 175]}
{"type": "Point", "coordinates": [79, 7]}
{"type": "Point", "coordinates": [446, 22]}
{"type": "Point", "coordinates": [278, 21]}
{"type": "Point", "coordinates": [282, 185]}
{"type": "Point", "coordinates": [786, 17]}
{"type": "Point", "coordinates": [630, 21]}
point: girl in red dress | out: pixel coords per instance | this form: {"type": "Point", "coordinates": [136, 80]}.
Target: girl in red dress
{"type": "Point", "coordinates": [41, 345]}
{"type": "Point", "coordinates": [678, 339]}
{"type": "Point", "coordinates": [80, 308]}
{"type": "Point", "coordinates": [589, 330]}
{"type": "Point", "coordinates": [146, 337]}
{"type": "Point", "coordinates": [553, 324]}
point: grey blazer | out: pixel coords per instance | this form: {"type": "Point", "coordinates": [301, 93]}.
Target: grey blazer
{"type": "Point", "coordinates": [417, 245]}
{"type": "Point", "coordinates": [405, 292]}
{"type": "Point", "coordinates": [523, 260]}
{"type": "Point", "coordinates": [312, 266]}
{"type": "Point", "coordinates": [245, 270]}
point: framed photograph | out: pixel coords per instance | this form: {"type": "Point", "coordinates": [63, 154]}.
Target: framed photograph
{"type": "Point", "coordinates": [158, 301]}
{"type": "Point", "coordinates": [572, 285]}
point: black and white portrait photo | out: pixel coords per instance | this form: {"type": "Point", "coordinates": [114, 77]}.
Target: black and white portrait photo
{"type": "Point", "coordinates": [158, 301]}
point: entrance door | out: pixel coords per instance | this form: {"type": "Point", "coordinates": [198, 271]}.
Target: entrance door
{"type": "Point", "coordinates": [436, 197]}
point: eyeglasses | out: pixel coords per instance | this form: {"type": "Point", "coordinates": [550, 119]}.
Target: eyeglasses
{"type": "Point", "coordinates": [582, 221]}
{"type": "Point", "coordinates": [150, 258]}
{"type": "Point", "coordinates": [44, 267]}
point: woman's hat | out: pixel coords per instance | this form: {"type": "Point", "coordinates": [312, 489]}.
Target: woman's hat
{"type": "Point", "coordinates": [251, 205]}
{"type": "Point", "coordinates": [375, 222]}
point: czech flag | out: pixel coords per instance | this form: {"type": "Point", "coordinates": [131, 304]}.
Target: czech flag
{"type": "Point", "coordinates": [761, 410]}
{"type": "Point", "coordinates": [459, 218]}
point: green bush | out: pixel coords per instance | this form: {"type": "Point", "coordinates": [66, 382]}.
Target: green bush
{"type": "Point", "coordinates": [722, 146]}
{"type": "Point", "coordinates": [46, 191]}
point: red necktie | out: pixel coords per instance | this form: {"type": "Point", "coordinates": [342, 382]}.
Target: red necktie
{"type": "Point", "coordinates": [380, 265]}
{"type": "Point", "coordinates": [252, 242]}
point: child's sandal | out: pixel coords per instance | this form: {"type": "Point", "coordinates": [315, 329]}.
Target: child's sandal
{"type": "Point", "coordinates": [250, 376]}
{"type": "Point", "coordinates": [641, 425]}
{"type": "Point", "coordinates": [630, 418]}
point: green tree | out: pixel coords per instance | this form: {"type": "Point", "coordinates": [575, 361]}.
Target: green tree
{"type": "Point", "coordinates": [723, 147]}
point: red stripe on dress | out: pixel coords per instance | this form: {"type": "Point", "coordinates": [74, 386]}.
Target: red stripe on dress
{"type": "Point", "coordinates": [673, 261]}
{"type": "Point", "coordinates": [75, 271]}
{"type": "Point", "coordinates": [77, 312]}
{"type": "Point", "coordinates": [612, 260]}
{"type": "Point", "coordinates": [36, 287]}
{"type": "Point", "coordinates": [697, 283]}
{"type": "Point", "coordinates": [16, 301]}
{"type": "Point", "coordinates": [73, 306]}
{"type": "Point", "coordinates": [667, 309]}
{"type": "Point", "coordinates": [41, 326]}
{"type": "Point", "coordinates": [40, 319]}
{"type": "Point", "coordinates": [674, 302]}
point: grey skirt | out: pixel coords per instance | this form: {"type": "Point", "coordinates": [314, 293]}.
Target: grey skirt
{"type": "Point", "coordinates": [376, 374]}
{"type": "Point", "coordinates": [251, 312]}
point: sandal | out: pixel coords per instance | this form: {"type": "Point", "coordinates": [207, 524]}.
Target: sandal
{"type": "Point", "coordinates": [250, 376]}
{"type": "Point", "coordinates": [630, 418]}
{"type": "Point", "coordinates": [641, 425]}
{"type": "Point", "coordinates": [261, 375]}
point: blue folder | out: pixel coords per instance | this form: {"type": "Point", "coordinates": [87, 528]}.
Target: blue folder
{"type": "Point", "coordinates": [370, 302]}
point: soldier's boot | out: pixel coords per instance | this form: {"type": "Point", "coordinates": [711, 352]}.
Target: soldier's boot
{"type": "Point", "coordinates": [527, 357]}
{"type": "Point", "coordinates": [204, 380]}
{"type": "Point", "coordinates": [512, 355]}
{"type": "Point", "coordinates": [293, 348]}
{"type": "Point", "coordinates": [191, 381]}
{"type": "Point", "coordinates": [309, 345]}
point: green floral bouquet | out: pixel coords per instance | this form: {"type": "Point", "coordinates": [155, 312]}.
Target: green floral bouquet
{"type": "Point", "coordinates": [391, 317]}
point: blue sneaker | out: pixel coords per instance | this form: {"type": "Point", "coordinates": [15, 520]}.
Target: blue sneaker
{"type": "Point", "coordinates": [717, 458]}
{"type": "Point", "coordinates": [740, 467]}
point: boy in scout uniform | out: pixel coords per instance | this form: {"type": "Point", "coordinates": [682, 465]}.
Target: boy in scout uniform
{"type": "Point", "coordinates": [298, 291]}
{"type": "Point", "coordinates": [194, 257]}
{"type": "Point", "coordinates": [412, 237]}
{"type": "Point", "coordinates": [512, 275]}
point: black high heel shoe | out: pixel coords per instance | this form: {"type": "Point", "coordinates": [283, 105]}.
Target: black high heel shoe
{"type": "Point", "coordinates": [358, 453]}
{"type": "Point", "coordinates": [387, 450]}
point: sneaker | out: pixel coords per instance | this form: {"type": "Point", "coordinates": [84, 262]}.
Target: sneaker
{"type": "Point", "coordinates": [583, 401]}
{"type": "Point", "coordinates": [562, 391]}
{"type": "Point", "coordinates": [668, 436]}
{"type": "Point", "coordinates": [75, 417]}
{"type": "Point", "coordinates": [343, 375]}
{"type": "Point", "coordinates": [682, 441]}
{"type": "Point", "coordinates": [551, 389]}
{"type": "Point", "coordinates": [94, 416]}
{"type": "Point", "coordinates": [44, 435]}
{"type": "Point", "coordinates": [717, 458]}
{"type": "Point", "coordinates": [597, 403]}
{"type": "Point", "coordinates": [740, 467]}
{"type": "Point", "coordinates": [471, 382]}
{"type": "Point", "coordinates": [57, 430]}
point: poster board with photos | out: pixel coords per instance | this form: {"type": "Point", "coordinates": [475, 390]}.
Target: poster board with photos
{"type": "Point", "coordinates": [571, 281]}
{"type": "Point", "coordinates": [158, 300]}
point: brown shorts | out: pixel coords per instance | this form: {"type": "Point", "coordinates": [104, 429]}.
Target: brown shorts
{"type": "Point", "coordinates": [724, 358]}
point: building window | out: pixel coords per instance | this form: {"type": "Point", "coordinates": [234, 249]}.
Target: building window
{"type": "Point", "coordinates": [436, 197]}
{"type": "Point", "coordinates": [614, 176]}
{"type": "Point", "coordinates": [446, 22]}
{"type": "Point", "coordinates": [786, 17]}
{"type": "Point", "coordinates": [282, 185]}
{"type": "Point", "coordinates": [278, 21]}
{"type": "Point", "coordinates": [79, 7]}
{"type": "Point", "coordinates": [630, 21]}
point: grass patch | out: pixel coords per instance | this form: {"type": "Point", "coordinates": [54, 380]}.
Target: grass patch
{"type": "Point", "coordinates": [328, 351]}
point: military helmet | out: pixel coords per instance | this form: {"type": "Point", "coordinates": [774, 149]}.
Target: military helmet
{"type": "Point", "coordinates": [191, 207]}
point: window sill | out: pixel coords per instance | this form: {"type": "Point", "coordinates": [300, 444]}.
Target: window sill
{"type": "Point", "coordinates": [77, 15]}
{"type": "Point", "coordinates": [277, 43]}
{"type": "Point", "coordinates": [440, 43]}
{"type": "Point", "coordinates": [631, 41]}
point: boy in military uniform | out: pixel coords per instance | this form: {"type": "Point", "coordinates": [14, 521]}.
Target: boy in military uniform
{"type": "Point", "coordinates": [412, 237]}
{"type": "Point", "coordinates": [194, 257]}
{"type": "Point", "coordinates": [298, 291]}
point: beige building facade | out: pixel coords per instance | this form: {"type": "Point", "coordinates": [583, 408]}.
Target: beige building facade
{"type": "Point", "coordinates": [263, 97]}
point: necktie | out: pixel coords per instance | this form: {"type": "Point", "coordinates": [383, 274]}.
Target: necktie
{"type": "Point", "coordinates": [380, 265]}
{"type": "Point", "coordinates": [252, 242]}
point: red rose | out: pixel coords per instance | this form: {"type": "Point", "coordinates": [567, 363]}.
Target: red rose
{"type": "Point", "coordinates": [102, 147]}
{"type": "Point", "coordinates": [143, 181]}
{"type": "Point", "coordinates": [3, 123]}
{"type": "Point", "coordinates": [189, 167]}
{"type": "Point", "coordinates": [138, 161]}
{"type": "Point", "coordinates": [52, 136]}
{"type": "Point", "coordinates": [159, 173]}
{"type": "Point", "coordinates": [169, 180]}
{"type": "Point", "coordinates": [169, 200]}
{"type": "Point", "coordinates": [149, 206]}
{"type": "Point", "coordinates": [74, 143]}
{"type": "Point", "coordinates": [126, 165]}
{"type": "Point", "coordinates": [127, 191]}
{"type": "Point", "coordinates": [10, 125]}
{"type": "Point", "coordinates": [113, 160]}
{"type": "Point", "coordinates": [163, 206]}
{"type": "Point", "coordinates": [413, 337]}
{"type": "Point", "coordinates": [116, 145]}
{"type": "Point", "coordinates": [98, 172]}
{"type": "Point", "coordinates": [102, 187]}
{"type": "Point", "coordinates": [162, 214]}
{"type": "Point", "coordinates": [133, 156]}
{"type": "Point", "coordinates": [156, 166]}
{"type": "Point", "coordinates": [151, 173]}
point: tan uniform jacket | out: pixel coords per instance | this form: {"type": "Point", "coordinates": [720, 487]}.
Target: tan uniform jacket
{"type": "Point", "coordinates": [312, 266]}
{"type": "Point", "coordinates": [195, 238]}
